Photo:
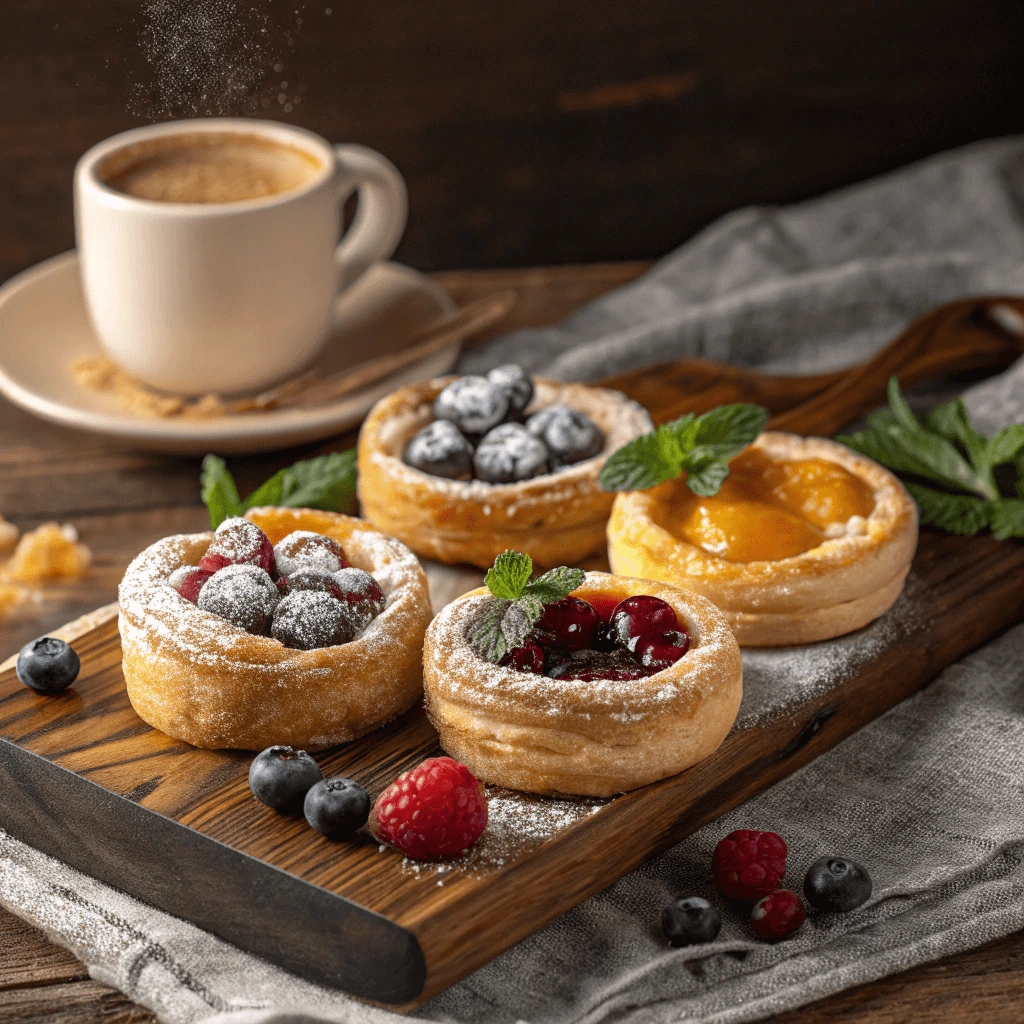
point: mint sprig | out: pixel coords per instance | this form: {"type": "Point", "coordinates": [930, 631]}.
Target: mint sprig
{"type": "Point", "coordinates": [326, 482]}
{"type": "Point", "coordinates": [700, 446]}
{"type": "Point", "coordinates": [972, 471]}
{"type": "Point", "coordinates": [517, 602]}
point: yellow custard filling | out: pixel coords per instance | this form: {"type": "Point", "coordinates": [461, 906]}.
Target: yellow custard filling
{"type": "Point", "coordinates": [765, 510]}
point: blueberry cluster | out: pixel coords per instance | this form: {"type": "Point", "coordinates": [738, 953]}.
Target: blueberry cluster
{"type": "Point", "coordinates": [290, 782]}
{"type": "Point", "coordinates": [481, 430]}
{"type": "Point", "coordinates": [301, 591]}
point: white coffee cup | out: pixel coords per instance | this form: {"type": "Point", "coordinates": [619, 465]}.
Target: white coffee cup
{"type": "Point", "coordinates": [228, 297]}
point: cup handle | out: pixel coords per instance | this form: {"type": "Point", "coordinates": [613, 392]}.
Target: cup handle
{"type": "Point", "coordinates": [380, 216]}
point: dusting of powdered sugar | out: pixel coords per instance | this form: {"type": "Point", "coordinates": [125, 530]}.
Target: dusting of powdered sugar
{"type": "Point", "coordinates": [516, 824]}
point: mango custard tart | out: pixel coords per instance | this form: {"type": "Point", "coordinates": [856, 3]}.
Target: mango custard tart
{"type": "Point", "coordinates": [462, 468]}
{"type": "Point", "coordinates": [805, 540]}
{"type": "Point", "coordinates": [618, 684]}
{"type": "Point", "coordinates": [290, 626]}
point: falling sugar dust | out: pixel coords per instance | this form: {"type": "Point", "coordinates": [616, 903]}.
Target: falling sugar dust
{"type": "Point", "coordinates": [215, 58]}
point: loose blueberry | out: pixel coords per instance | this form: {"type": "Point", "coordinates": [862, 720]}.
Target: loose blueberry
{"type": "Point", "coordinates": [527, 658]}
{"type": "Point", "coordinates": [307, 620]}
{"type": "Point", "coordinates": [569, 623]}
{"type": "Point", "coordinates": [509, 453]}
{"type": "Point", "coordinates": [337, 808]}
{"type": "Point", "coordinates": [280, 777]}
{"type": "Point", "coordinates": [48, 665]}
{"type": "Point", "coordinates": [303, 549]}
{"type": "Point", "coordinates": [690, 921]}
{"type": "Point", "coordinates": [569, 435]}
{"type": "Point", "coordinates": [837, 885]}
{"type": "Point", "coordinates": [660, 650]}
{"type": "Point", "coordinates": [358, 587]}
{"type": "Point", "coordinates": [473, 404]}
{"type": "Point", "coordinates": [244, 595]}
{"type": "Point", "coordinates": [515, 384]}
{"type": "Point", "coordinates": [440, 450]}
{"type": "Point", "coordinates": [641, 616]}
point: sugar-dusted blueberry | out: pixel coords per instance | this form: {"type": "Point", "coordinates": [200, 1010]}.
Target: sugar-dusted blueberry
{"type": "Point", "coordinates": [238, 542]}
{"type": "Point", "coordinates": [510, 453]}
{"type": "Point", "coordinates": [473, 404]}
{"type": "Point", "coordinates": [188, 581]}
{"type": "Point", "coordinates": [307, 620]}
{"type": "Point", "coordinates": [515, 384]}
{"type": "Point", "coordinates": [569, 435]}
{"type": "Point", "coordinates": [359, 588]}
{"type": "Point", "coordinates": [308, 579]}
{"type": "Point", "coordinates": [337, 808]}
{"type": "Point", "coordinates": [569, 622]}
{"type": "Point", "coordinates": [660, 650]}
{"type": "Point", "coordinates": [244, 595]}
{"type": "Point", "coordinates": [440, 449]}
{"type": "Point", "coordinates": [527, 658]}
{"type": "Point", "coordinates": [837, 885]}
{"type": "Point", "coordinates": [640, 615]}
{"type": "Point", "coordinates": [303, 549]}
{"type": "Point", "coordinates": [280, 777]}
{"type": "Point", "coordinates": [689, 921]}
{"type": "Point", "coordinates": [47, 665]}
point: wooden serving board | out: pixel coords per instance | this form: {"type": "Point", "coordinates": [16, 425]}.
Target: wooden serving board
{"type": "Point", "coordinates": [86, 780]}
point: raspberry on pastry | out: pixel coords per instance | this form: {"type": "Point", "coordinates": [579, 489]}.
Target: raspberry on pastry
{"type": "Point", "coordinates": [239, 542]}
{"type": "Point", "coordinates": [188, 581]}
{"type": "Point", "coordinates": [303, 549]}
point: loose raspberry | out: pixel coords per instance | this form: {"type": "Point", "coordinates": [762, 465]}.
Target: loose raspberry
{"type": "Point", "coordinates": [779, 914]}
{"type": "Point", "coordinates": [748, 865]}
{"type": "Point", "coordinates": [435, 810]}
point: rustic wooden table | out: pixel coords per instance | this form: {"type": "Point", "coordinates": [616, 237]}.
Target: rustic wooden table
{"type": "Point", "coordinates": [121, 500]}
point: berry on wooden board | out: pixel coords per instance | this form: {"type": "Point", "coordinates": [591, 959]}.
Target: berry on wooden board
{"type": "Point", "coordinates": [281, 776]}
{"type": "Point", "coordinates": [337, 808]}
{"type": "Point", "coordinates": [47, 665]}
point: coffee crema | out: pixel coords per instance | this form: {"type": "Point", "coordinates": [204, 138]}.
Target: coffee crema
{"type": "Point", "coordinates": [209, 167]}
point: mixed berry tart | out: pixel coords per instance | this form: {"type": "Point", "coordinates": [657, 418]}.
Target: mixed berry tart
{"type": "Point", "coordinates": [290, 627]}
{"type": "Point", "coordinates": [803, 540]}
{"type": "Point", "coordinates": [579, 683]}
{"type": "Point", "coordinates": [462, 468]}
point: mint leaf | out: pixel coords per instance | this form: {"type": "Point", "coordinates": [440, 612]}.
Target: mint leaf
{"type": "Point", "coordinates": [327, 482]}
{"type": "Point", "coordinates": [702, 445]}
{"type": "Point", "coordinates": [641, 464]}
{"type": "Point", "coordinates": [520, 618]}
{"type": "Point", "coordinates": [707, 481]}
{"type": "Point", "coordinates": [1007, 518]}
{"type": "Point", "coordinates": [556, 584]}
{"type": "Point", "coordinates": [954, 513]}
{"type": "Point", "coordinates": [217, 486]}
{"type": "Point", "coordinates": [1007, 445]}
{"type": "Point", "coordinates": [509, 575]}
{"type": "Point", "coordinates": [269, 492]}
{"type": "Point", "coordinates": [950, 420]}
{"type": "Point", "coordinates": [485, 632]}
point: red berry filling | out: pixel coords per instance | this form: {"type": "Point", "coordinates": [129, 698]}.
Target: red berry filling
{"type": "Point", "coordinates": [747, 865]}
{"type": "Point", "coordinates": [436, 810]}
{"type": "Point", "coordinates": [528, 658]}
{"type": "Point", "coordinates": [569, 623]}
{"type": "Point", "coordinates": [239, 542]}
{"type": "Point", "coordinates": [642, 615]}
{"type": "Point", "coordinates": [659, 650]}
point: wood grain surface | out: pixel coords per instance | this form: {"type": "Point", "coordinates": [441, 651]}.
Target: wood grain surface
{"type": "Point", "coordinates": [158, 495]}
{"type": "Point", "coordinates": [533, 132]}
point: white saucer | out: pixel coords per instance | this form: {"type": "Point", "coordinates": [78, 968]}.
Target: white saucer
{"type": "Point", "coordinates": [44, 326]}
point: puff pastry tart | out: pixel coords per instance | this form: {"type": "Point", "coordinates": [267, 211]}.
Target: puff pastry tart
{"type": "Point", "coordinates": [460, 473]}
{"type": "Point", "coordinates": [806, 540]}
{"type": "Point", "coordinates": [222, 650]}
{"type": "Point", "coordinates": [586, 731]}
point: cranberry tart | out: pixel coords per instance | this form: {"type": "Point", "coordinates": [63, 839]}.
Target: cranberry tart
{"type": "Point", "coordinates": [805, 540]}
{"type": "Point", "coordinates": [622, 683]}
{"type": "Point", "coordinates": [290, 626]}
{"type": "Point", "coordinates": [463, 468]}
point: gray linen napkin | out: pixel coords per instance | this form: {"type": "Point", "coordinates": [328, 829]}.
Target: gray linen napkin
{"type": "Point", "coordinates": [928, 796]}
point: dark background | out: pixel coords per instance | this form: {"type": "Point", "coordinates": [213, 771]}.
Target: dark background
{"type": "Point", "coordinates": [531, 131]}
